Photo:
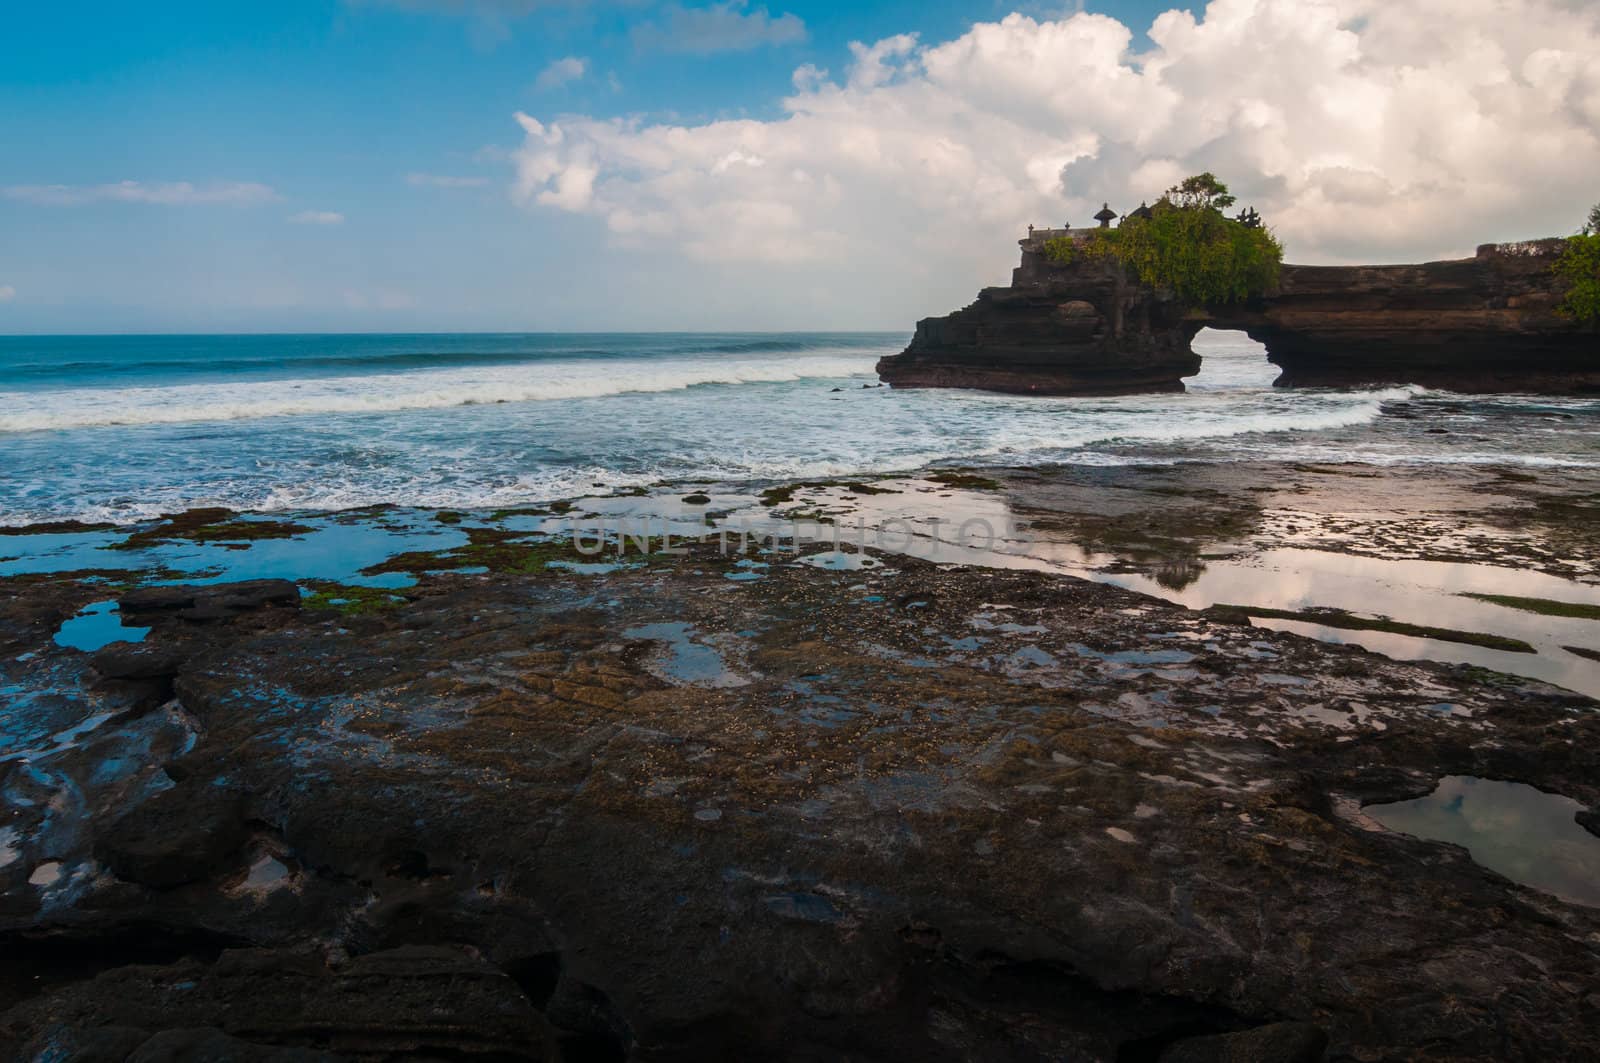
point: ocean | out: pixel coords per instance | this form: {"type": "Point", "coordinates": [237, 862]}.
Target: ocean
{"type": "Point", "coordinates": [122, 428]}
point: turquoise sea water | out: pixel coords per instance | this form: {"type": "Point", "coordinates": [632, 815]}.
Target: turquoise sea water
{"type": "Point", "coordinates": [123, 428]}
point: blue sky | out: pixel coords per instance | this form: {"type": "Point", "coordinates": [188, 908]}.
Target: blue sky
{"type": "Point", "coordinates": [354, 165]}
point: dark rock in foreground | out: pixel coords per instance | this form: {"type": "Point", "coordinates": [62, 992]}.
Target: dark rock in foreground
{"type": "Point", "coordinates": [209, 601]}
{"type": "Point", "coordinates": [907, 812]}
{"type": "Point", "coordinates": [1483, 324]}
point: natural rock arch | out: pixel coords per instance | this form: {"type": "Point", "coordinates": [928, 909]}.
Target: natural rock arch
{"type": "Point", "coordinates": [1486, 323]}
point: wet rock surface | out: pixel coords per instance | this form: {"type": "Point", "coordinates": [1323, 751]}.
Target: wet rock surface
{"type": "Point", "coordinates": [909, 811]}
{"type": "Point", "coordinates": [202, 602]}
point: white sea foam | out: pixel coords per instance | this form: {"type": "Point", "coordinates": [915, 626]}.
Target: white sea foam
{"type": "Point", "coordinates": [26, 411]}
{"type": "Point", "coordinates": [491, 434]}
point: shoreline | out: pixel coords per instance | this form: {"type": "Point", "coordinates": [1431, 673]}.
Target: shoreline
{"type": "Point", "coordinates": [1263, 537]}
{"type": "Point", "coordinates": [699, 803]}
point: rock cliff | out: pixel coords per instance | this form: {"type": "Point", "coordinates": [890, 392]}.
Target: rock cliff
{"type": "Point", "coordinates": [1078, 329]}
{"type": "Point", "coordinates": [1486, 323]}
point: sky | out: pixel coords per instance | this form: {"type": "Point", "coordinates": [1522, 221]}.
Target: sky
{"type": "Point", "coordinates": [620, 165]}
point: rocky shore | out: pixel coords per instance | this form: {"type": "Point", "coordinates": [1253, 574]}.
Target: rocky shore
{"type": "Point", "coordinates": [497, 798]}
{"type": "Point", "coordinates": [1483, 324]}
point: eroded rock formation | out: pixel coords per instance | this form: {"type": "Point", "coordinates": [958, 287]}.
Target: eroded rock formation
{"type": "Point", "coordinates": [1078, 329]}
{"type": "Point", "coordinates": [912, 812]}
{"type": "Point", "coordinates": [1486, 323]}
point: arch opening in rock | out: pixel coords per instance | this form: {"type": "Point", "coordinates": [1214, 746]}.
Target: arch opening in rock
{"type": "Point", "coordinates": [1229, 360]}
{"type": "Point", "coordinates": [1086, 326]}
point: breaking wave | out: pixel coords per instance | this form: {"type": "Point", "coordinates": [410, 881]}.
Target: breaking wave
{"type": "Point", "coordinates": [391, 393]}
{"type": "Point", "coordinates": [275, 423]}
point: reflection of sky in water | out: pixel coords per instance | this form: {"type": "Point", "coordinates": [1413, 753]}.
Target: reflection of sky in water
{"type": "Point", "coordinates": [1521, 832]}
{"type": "Point", "coordinates": [332, 550]}
{"type": "Point", "coordinates": [685, 660]}
{"type": "Point", "coordinates": [96, 626]}
{"type": "Point", "coordinates": [1416, 592]}
{"type": "Point", "coordinates": [940, 523]}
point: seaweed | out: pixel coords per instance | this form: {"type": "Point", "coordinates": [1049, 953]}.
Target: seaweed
{"type": "Point", "coordinates": [210, 525]}
{"type": "Point", "coordinates": [971, 481]}
{"type": "Point", "coordinates": [1542, 606]}
{"type": "Point", "coordinates": [350, 600]}
{"type": "Point", "coordinates": [1340, 619]}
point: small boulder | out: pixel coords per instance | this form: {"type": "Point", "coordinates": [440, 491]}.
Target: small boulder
{"type": "Point", "coordinates": [181, 835]}
{"type": "Point", "coordinates": [216, 601]}
{"type": "Point", "coordinates": [139, 660]}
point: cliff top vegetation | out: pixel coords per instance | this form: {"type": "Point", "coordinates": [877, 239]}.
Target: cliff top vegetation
{"type": "Point", "coordinates": [1579, 267]}
{"type": "Point", "coordinates": [1186, 244]}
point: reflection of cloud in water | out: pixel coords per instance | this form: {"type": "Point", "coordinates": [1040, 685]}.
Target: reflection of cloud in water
{"type": "Point", "coordinates": [1512, 828]}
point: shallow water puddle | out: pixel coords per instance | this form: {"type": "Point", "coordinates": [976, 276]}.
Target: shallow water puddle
{"type": "Point", "coordinates": [265, 874]}
{"type": "Point", "coordinates": [839, 561]}
{"type": "Point", "coordinates": [748, 571]}
{"type": "Point", "coordinates": [581, 568]}
{"type": "Point", "coordinates": [46, 874]}
{"type": "Point", "coordinates": [1291, 578]}
{"type": "Point", "coordinates": [333, 547]}
{"type": "Point", "coordinates": [9, 852]}
{"type": "Point", "coordinates": [1523, 833]}
{"type": "Point", "coordinates": [97, 626]}
{"type": "Point", "coordinates": [686, 661]}
{"type": "Point", "coordinates": [1419, 592]}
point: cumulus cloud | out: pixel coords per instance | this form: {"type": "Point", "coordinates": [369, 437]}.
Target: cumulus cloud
{"type": "Point", "coordinates": [317, 217]}
{"type": "Point", "coordinates": [561, 72]}
{"type": "Point", "coordinates": [171, 194]}
{"type": "Point", "coordinates": [7, 293]}
{"type": "Point", "coordinates": [1359, 128]}
{"type": "Point", "coordinates": [724, 27]}
{"type": "Point", "coordinates": [434, 180]}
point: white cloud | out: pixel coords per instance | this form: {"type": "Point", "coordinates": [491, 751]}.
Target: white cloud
{"type": "Point", "coordinates": [7, 293]}
{"type": "Point", "coordinates": [172, 194]}
{"type": "Point", "coordinates": [724, 27]}
{"type": "Point", "coordinates": [1359, 128]}
{"type": "Point", "coordinates": [562, 71]}
{"type": "Point", "coordinates": [433, 180]}
{"type": "Point", "coordinates": [808, 77]}
{"type": "Point", "coordinates": [317, 217]}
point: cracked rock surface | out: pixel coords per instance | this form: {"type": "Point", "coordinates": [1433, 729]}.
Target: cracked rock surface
{"type": "Point", "coordinates": [656, 813]}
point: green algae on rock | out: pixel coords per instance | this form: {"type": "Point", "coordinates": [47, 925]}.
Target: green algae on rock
{"type": "Point", "coordinates": [1542, 606]}
{"type": "Point", "coordinates": [210, 526]}
{"type": "Point", "coordinates": [958, 802]}
{"type": "Point", "coordinates": [1339, 618]}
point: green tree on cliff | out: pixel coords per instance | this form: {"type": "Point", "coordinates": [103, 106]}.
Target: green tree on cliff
{"type": "Point", "coordinates": [1186, 245]}
{"type": "Point", "coordinates": [1579, 267]}
{"type": "Point", "coordinates": [1201, 190]}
